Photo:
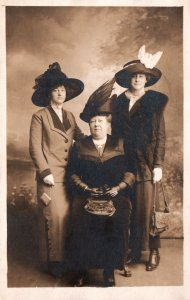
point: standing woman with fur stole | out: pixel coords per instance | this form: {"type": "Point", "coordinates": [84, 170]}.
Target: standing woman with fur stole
{"type": "Point", "coordinates": [138, 118]}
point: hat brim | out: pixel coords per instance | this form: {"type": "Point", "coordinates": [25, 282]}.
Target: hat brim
{"type": "Point", "coordinates": [96, 108]}
{"type": "Point", "coordinates": [74, 88]}
{"type": "Point", "coordinates": [87, 116]}
{"type": "Point", "coordinates": [123, 77]}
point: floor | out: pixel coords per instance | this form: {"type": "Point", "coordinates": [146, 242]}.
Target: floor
{"type": "Point", "coordinates": [24, 269]}
{"type": "Point", "coordinates": [169, 273]}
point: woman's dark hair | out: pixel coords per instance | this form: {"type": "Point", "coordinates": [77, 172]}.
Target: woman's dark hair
{"type": "Point", "coordinates": [104, 114]}
{"type": "Point", "coordinates": [49, 90]}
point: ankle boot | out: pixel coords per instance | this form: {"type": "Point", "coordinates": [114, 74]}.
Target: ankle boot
{"type": "Point", "coordinates": [127, 272]}
{"type": "Point", "coordinates": [80, 279]}
{"type": "Point", "coordinates": [154, 260]}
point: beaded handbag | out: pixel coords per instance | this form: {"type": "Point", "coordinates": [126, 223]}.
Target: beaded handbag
{"type": "Point", "coordinates": [100, 207]}
{"type": "Point", "coordinates": [160, 219]}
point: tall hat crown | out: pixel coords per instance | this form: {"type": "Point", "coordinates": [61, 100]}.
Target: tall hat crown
{"type": "Point", "coordinates": [99, 103]}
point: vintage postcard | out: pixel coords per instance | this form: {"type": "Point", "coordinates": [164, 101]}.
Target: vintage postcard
{"type": "Point", "coordinates": [93, 42]}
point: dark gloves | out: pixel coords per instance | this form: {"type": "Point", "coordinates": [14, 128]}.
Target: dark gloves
{"type": "Point", "coordinates": [93, 192]}
{"type": "Point", "coordinates": [113, 191]}
{"type": "Point", "coordinates": [98, 192]}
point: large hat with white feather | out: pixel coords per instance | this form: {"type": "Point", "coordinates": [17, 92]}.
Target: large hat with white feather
{"type": "Point", "coordinates": [145, 64]}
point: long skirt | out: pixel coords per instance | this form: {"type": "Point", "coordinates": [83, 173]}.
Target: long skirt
{"type": "Point", "coordinates": [99, 241]}
{"type": "Point", "coordinates": [141, 218]}
{"type": "Point", "coordinates": [53, 222]}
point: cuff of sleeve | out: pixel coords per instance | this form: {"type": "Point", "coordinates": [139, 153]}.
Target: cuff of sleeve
{"type": "Point", "coordinates": [122, 185]}
{"type": "Point", "coordinates": [45, 173]}
{"type": "Point", "coordinates": [129, 178]}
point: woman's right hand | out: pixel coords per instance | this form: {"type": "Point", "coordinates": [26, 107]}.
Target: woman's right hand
{"type": "Point", "coordinates": [49, 179]}
{"type": "Point", "coordinates": [94, 192]}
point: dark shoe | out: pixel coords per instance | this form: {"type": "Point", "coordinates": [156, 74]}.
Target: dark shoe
{"type": "Point", "coordinates": [80, 280]}
{"type": "Point", "coordinates": [127, 272]}
{"type": "Point", "coordinates": [133, 257]}
{"type": "Point", "coordinates": [154, 260]}
{"type": "Point", "coordinates": [109, 279]}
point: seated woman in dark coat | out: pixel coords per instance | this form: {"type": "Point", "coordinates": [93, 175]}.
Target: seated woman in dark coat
{"type": "Point", "coordinates": [99, 170]}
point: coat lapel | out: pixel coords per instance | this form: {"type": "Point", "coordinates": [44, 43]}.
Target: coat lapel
{"type": "Point", "coordinates": [64, 134]}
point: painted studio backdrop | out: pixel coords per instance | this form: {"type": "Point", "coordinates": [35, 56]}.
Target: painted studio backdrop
{"type": "Point", "coordinates": [90, 43]}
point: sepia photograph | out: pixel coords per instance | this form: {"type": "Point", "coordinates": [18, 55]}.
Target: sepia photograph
{"type": "Point", "coordinates": [94, 141]}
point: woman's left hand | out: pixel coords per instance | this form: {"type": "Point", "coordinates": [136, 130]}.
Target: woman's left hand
{"type": "Point", "coordinates": [157, 174]}
{"type": "Point", "coordinates": [113, 191]}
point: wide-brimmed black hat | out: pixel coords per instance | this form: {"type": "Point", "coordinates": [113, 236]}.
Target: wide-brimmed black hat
{"type": "Point", "coordinates": [123, 77]}
{"type": "Point", "coordinates": [99, 103]}
{"type": "Point", "coordinates": [51, 79]}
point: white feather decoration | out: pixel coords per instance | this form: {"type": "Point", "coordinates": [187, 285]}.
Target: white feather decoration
{"type": "Point", "coordinates": [149, 60]}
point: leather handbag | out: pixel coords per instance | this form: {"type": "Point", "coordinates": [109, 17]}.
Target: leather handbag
{"type": "Point", "coordinates": [100, 207]}
{"type": "Point", "coordinates": [160, 219]}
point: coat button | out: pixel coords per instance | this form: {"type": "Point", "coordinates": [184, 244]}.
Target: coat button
{"type": "Point", "coordinates": [65, 159]}
{"type": "Point", "coordinates": [66, 150]}
{"type": "Point", "coordinates": [66, 141]}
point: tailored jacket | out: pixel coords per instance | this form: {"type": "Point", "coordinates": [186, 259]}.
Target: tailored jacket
{"type": "Point", "coordinates": [112, 168]}
{"type": "Point", "coordinates": [143, 129]}
{"type": "Point", "coordinates": [50, 145]}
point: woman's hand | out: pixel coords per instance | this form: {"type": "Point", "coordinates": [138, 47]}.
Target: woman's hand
{"type": "Point", "coordinates": [49, 179]}
{"type": "Point", "coordinates": [157, 174]}
{"type": "Point", "coordinates": [113, 191]}
{"type": "Point", "coordinates": [94, 192]}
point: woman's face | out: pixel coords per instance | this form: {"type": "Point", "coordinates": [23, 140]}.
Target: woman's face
{"type": "Point", "coordinates": [138, 81]}
{"type": "Point", "coordinates": [58, 95]}
{"type": "Point", "coordinates": [99, 126]}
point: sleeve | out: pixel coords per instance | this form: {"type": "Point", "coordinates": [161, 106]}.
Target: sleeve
{"type": "Point", "coordinates": [129, 179]}
{"type": "Point", "coordinates": [118, 117]}
{"type": "Point", "coordinates": [159, 151]}
{"type": "Point", "coordinates": [116, 120]}
{"type": "Point", "coordinates": [130, 173]}
{"type": "Point", "coordinates": [129, 176]}
{"type": "Point", "coordinates": [35, 147]}
{"type": "Point", "coordinates": [74, 170]}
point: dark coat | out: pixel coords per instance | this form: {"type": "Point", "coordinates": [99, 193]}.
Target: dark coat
{"type": "Point", "coordinates": [99, 241]}
{"type": "Point", "coordinates": [143, 129]}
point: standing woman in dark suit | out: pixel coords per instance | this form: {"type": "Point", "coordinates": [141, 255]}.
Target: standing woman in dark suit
{"type": "Point", "coordinates": [51, 136]}
{"type": "Point", "coordinates": [138, 118]}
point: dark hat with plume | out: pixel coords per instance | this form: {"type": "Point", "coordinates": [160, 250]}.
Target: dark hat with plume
{"type": "Point", "coordinates": [99, 103]}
